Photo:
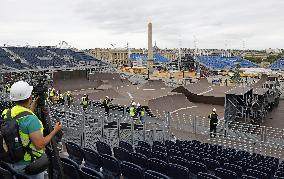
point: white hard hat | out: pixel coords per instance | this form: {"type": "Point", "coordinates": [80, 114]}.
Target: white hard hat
{"type": "Point", "coordinates": [107, 97]}
{"type": "Point", "coordinates": [133, 103]}
{"type": "Point", "coordinates": [214, 110]}
{"type": "Point", "coordinates": [20, 91]}
{"type": "Point", "coordinates": [138, 104]}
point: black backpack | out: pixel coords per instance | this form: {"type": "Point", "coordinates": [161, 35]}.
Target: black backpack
{"type": "Point", "coordinates": [9, 133]}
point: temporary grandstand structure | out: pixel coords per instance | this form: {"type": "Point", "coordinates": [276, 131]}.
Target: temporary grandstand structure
{"type": "Point", "coordinates": [278, 64]}
{"type": "Point", "coordinates": [238, 102]}
{"type": "Point", "coordinates": [216, 63]}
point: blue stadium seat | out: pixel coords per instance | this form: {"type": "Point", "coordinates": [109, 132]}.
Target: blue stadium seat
{"type": "Point", "coordinates": [177, 171]}
{"type": "Point", "coordinates": [235, 168]}
{"type": "Point", "coordinates": [211, 164]}
{"type": "Point", "coordinates": [131, 171]}
{"type": "Point", "coordinates": [144, 144]}
{"type": "Point", "coordinates": [173, 152]}
{"type": "Point", "coordinates": [88, 173]}
{"type": "Point", "coordinates": [126, 146]}
{"type": "Point", "coordinates": [111, 166]}
{"type": "Point", "coordinates": [159, 148]}
{"type": "Point", "coordinates": [149, 174]}
{"type": "Point", "coordinates": [75, 152]}
{"type": "Point", "coordinates": [121, 154]}
{"type": "Point", "coordinates": [248, 177]}
{"type": "Point", "coordinates": [224, 174]}
{"type": "Point", "coordinates": [158, 143]}
{"type": "Point", "coordinates": [192, 157]}
{"type": "Point", "coordinates": [196, 167]}
{"type": "Point", "coordinates": [70, 168]}
{"type": "Point", "coordinates": [92, 159]}
{"type": "Point", "coordinates": [264, 170]}
{"type": "Point", "coordinates": [179, 161]}
{"type": "Point", "coordinates": [256, 174]}
{"type": "Point", "coordinates": [160, 156]}
{"type": "Point", "coordinates": [169, 143]}
{"type": "Point", "coordinates": [158, 165]}
{"type": "Point", "coordinates": [103, 148]}
{"type": "Point", "coordinates": [139, 159]}
{"type": "Point", "coordinates": [5, 174]}
{"type": "Point", "coordinates": [143, 151]}
{"type": "Point", "coordinates": [8, 168]}
{"type": "Point", "coordinates": [222, 160]}
{"type": "Point", "coordinates": [202, 175]}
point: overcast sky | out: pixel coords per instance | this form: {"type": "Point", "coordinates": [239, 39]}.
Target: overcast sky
{"type": "Point", "coordinates": [99, 23]}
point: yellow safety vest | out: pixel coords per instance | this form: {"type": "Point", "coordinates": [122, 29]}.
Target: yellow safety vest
{"type": "Point", "coordinates": [84, 101]}
{"type": "Point", "coordinates": [132, 111]}
{"type": "Point", "coordinates": [51, 93]}
{"type": "Point", "coordinates": [25, 137]}
{"type": "Point", "coordinates": [142, 112]}
{"type": "Point", "coordinates": [7, 88]}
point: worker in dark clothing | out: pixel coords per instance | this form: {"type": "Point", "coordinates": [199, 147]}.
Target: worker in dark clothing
{"type": "Point", "coordinates": [213, 122]}
{"type": "Point", "coordinates": [106, 104]}
{"type": "Point", "coordinates": [61, 98]}
{"type": "Point", "coordinates": [140, 112]}
{"type": "Point", "coordinates": [69, 98]}
{"type": "Point", "coordinates": [226, 82]}
{"type": "Point", "coordinates": [85, 102]}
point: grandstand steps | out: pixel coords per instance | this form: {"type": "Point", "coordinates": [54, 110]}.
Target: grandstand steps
{"type": "Point", "coordinates": [15, 56]}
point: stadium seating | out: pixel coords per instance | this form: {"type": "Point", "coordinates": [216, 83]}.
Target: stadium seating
{"type": "Point", "coordinates": [221, 63]}
{"type": "Point", "coordinates": [70, 168]}
{"type": "Point", "coordinates": [92, 159]}
{"type": "Point", "coordinates": [74, 151]}
{"type": "Point", "coordinates": [131, 171]}
{"type": "Point", "coordinates": [157, 58]}
{"type": "Point", "coordinates": [149, 174]}
{"type": "Point", "coordinates": [87, 173]}
{"type": "Point", "coordinates": [103, 148]}
{"type": "Point", "coordinates": [121, 154]}
{"type": "Point", "coordinates": [126, 146]}
{"type": "Point", "coordinates": [46, 57]}
{"type": "Point", "coordinates": [278, 64]}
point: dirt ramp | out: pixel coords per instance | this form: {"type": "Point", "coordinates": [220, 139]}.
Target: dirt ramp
{"type": "Point", "coordinates": [100, 95]}
{"type": "Point", "coordinates": [76, 84]}
{"type": "Point", "coordinates": [154, 84]}
{"type": "Point", "coordinates": [67, 75]}
{"type": "Point", "coordinates": [170, 103]}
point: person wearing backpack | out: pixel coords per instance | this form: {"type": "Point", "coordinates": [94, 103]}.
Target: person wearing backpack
{"type": "Point", "coordinates": [27, 143]}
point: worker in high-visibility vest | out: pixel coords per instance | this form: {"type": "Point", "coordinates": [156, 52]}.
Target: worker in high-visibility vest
{"type": "Point", "coordinates": [85, 102]}
{"type": "Point", "coordinates": [132, 110]}
{"type": "Point", "coordinates": [61, 98]}
{"type": "Point", "coordinates": [140, 112]}
{"type": "Point", "coordinates": [51, 94]}
{"type": "Point", "coordinates": [7, 88]}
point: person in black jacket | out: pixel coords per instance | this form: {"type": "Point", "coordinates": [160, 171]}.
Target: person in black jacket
{"type": "Point", "coordinates": [106, 104]}
{"type": "Point", "coordinates": [213, 122]}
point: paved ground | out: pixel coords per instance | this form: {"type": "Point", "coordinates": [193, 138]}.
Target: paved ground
{"type": "Point", "coordinates": [276, 117]}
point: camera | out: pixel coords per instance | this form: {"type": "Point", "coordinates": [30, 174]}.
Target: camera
{"type": "Point", "coordinates": [40, 84]}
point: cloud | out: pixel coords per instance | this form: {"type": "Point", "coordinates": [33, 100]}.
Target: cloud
{"type": "Point", "coordinates": [96, 23]}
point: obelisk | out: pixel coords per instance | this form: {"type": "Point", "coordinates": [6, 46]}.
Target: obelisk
{"type": "Point", "coordinates": [150, 60]}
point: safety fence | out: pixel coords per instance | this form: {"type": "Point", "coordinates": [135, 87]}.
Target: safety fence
{"type": "Point", "coordinates": [85, 128]}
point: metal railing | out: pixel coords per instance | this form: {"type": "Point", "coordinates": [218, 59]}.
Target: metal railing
{"type": "Point", "coordinates": [85, 128]}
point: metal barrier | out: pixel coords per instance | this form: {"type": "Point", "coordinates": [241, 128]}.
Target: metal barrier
{"type": "Point", "coordinates": [85, 128]}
